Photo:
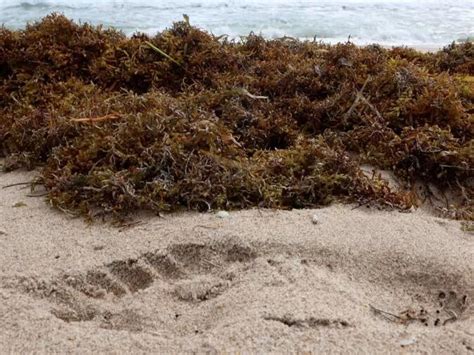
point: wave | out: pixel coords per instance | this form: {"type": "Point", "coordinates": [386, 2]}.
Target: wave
{"type": "Point", "coordinates": [396, 22]}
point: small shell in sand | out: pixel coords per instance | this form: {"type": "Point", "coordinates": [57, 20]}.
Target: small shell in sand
{"type": "Point", "coordinates": [222, 214]}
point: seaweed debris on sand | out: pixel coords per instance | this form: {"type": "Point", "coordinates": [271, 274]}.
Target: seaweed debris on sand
{"type": "Point", "coordinates": [185, 119]}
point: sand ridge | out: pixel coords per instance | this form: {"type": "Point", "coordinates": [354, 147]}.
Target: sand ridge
{"type": "Point", "coordinates": [360, 280]}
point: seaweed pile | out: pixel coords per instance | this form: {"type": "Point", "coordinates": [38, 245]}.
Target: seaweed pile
{"type": "Point", "coordinates": [188, 120]}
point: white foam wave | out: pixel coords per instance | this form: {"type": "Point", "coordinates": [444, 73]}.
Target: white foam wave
{"type": "Point", "coordinates": [415, 22]}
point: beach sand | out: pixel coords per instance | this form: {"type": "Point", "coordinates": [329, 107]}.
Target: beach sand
{"type": "Point", "coordinates": [258, 280]}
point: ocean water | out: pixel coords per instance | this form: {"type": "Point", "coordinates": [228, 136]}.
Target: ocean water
{"type": "Point", "coordinates": [390, 22]}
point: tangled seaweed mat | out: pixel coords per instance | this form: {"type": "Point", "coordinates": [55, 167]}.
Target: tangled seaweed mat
{"type": "Point", "coordinates": [185, 119]}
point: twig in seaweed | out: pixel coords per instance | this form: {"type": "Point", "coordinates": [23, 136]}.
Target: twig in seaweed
{"type": "Point", "coordinates": [358, 97]}
{"type": "Point", "coordinates": [18, 184]}
{"type": "Point", "coordinates": [111, 116]}
{"type": "Point", "coordinates": [255, 97]}
{"type": "Point", "coordinates": [15, 99]}
{"type": "Point", "coordinates": [156, 49]}
{"type": "Point", "coordinates": [463, 191]}
{"type": "Point", "coordinates": [372, 107]}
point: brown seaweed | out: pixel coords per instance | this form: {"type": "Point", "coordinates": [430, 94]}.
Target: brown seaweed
{"type": "Point", "coordinates": [185, 119]}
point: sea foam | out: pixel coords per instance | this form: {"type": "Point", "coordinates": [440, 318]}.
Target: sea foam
{"type": "Point", "coordinates": [389, 22]}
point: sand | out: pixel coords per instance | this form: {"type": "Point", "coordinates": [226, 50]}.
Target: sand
{"type": "Point", "coordinates": [256, 281]}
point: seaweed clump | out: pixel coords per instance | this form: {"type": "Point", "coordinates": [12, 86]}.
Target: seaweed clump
{"type": "Point", "coordinates": [185, 119]}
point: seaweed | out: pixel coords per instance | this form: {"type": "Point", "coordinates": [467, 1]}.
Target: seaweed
{"type": "Point", "coordinates": [188, 120]}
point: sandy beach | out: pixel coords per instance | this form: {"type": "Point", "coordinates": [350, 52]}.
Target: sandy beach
{"type": "Point", "coordinates": [257, 280]}
{"type": "Point", "coordinates": [253, 115]}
